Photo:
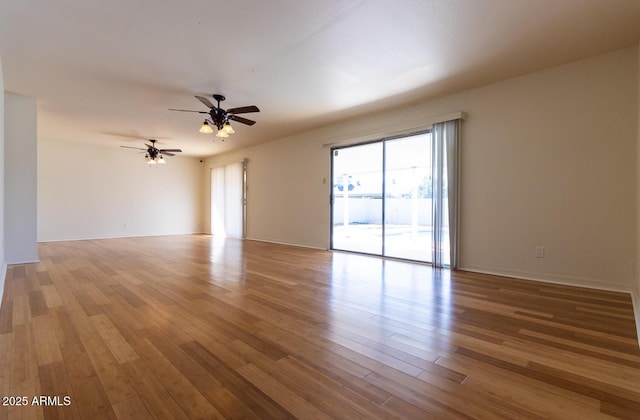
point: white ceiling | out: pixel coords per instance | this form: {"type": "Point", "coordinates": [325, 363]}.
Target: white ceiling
{"type": "Point", "coordinates": [106, 71]}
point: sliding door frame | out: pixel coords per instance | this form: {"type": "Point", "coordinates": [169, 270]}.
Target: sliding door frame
{"type": "Point", "coordinates": [245, 161]}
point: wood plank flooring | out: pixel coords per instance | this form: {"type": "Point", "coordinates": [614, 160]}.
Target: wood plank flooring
{"type": "Point", "coordinates": [192, 326]}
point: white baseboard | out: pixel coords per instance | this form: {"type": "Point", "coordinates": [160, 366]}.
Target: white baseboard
{"type": "Point", "coordinates": [286, 243]}
{"type": "Point", "coordinates": [97, 238]}
{"type": "Point", "coordinates": [553, 279]}
{"type": "Point", "coordinates": [3, 276]}
{"type": "Point", "coordinates": [30, 260]}
{"type": "Point", "coordinates": [635, 296]}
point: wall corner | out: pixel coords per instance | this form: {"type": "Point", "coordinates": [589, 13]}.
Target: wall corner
{"type": "Point", "coordinates": [635, 291]}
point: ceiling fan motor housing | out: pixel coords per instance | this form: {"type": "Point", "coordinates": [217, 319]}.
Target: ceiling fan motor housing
{"type": "Point", "coordinates": [218, 117]}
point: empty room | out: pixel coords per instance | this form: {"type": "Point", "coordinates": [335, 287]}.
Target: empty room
{"type": "Point", "coordinates": [328, 209]}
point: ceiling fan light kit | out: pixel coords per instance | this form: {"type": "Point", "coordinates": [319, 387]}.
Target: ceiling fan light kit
{"type": "Point", "coordinates": [228, 129]}
{"type": "Point", "coordinates": [206, 128]}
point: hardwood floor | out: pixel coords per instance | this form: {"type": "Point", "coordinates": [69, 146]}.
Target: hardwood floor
{"type": "Point", "coordinates": [196, 327]}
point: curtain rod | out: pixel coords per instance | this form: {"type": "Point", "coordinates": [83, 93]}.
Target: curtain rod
{"type": "Point", "coordinates": [424, 125]}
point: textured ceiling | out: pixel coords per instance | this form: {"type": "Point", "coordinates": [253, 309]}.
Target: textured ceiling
{"type": "Point", "coordinates": [107, 71]}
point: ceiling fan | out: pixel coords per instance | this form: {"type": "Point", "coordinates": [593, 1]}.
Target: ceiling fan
{"type": "Point", "coordinates": [221, 118]}
{"type": "Point", "coordinates": [153, 154]}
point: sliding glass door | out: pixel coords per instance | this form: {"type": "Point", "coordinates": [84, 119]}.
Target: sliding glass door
{"type": "Point", "coordinates": [357, 198]}
{"type": "Point", "coordinates": [382, 198]}
{"type": "Point", "coordinates": [407, 204]}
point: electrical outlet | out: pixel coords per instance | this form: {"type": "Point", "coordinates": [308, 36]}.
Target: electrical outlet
{"type": "Point", "coordinates": [539, 252]}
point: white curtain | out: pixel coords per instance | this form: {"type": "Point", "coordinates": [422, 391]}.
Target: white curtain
{"type": "Point", "coordinates": [446, 179]}
{"type": "Point", "coordinates": [217, 202]}
{"type": "Point", "coordinates": [233, 177]}
{"type": "Point", "coordinates": [227, 192]}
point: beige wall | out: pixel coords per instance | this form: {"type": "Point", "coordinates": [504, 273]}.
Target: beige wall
{"type": "Point", "coordinates": [547, 159]}
{"type": "Point", "coordinates": [88, 191]}
{"type": "Point", "coordinates": [20, 171]}
{"type": "Point", "coordinates": [636, 290]}
{"type": "Point", "coordinates": [3, 265]}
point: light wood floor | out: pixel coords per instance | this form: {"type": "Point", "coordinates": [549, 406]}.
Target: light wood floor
{"type": "Point", "coordinates": [196, 327]}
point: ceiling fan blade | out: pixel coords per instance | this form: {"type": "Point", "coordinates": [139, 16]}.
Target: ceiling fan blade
{"type": "Point", "coordinates": [166, 153]}
{"type": "Point", "coordinates": [241, 120]}
{"type": "Point", "coordinates": [243, 109]}
{"type": "Point", "coordinates": [129, 147]}
{"type": "Point", "coordinates": [188, 110]}
{"type": "Point", "coordinates": [205, 101]}
{"type": "Point", "coordinates": [149, 146]}
{"type": "Point", "coordinates": [170, 150]}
